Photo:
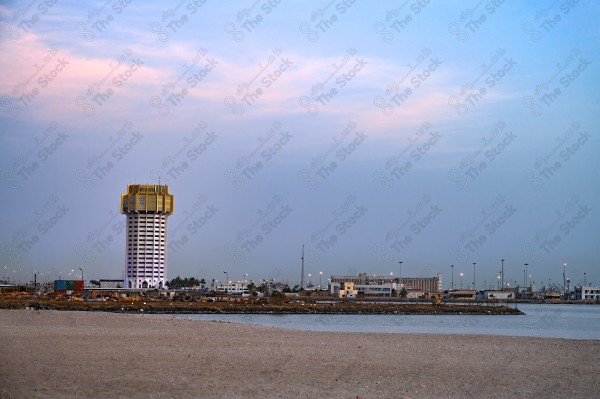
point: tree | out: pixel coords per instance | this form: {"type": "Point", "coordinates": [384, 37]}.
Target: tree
{"type": "Point", "coordinates": [95, 283]}
{"type": "Point", "coordinates": [277, 297]}
{"type": "Point", "coordinates": [403, 293]}
{"type": "Point", "coordinates": [187, 282]}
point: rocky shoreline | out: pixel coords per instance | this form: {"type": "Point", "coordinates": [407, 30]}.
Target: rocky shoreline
{"type": "Point", "coordinates": [249, 308]}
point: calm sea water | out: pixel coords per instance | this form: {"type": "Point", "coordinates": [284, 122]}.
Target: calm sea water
{"type": "Point", "coordinates": [552, 321]}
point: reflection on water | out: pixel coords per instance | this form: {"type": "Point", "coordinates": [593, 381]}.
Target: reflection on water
{"type": "Point", "coordinates": [555, 321]}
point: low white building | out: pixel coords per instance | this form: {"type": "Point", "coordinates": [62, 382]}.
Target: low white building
{"type": "Point", "coordinates": [583, 293]}
{"type": "Point", "coordinates": [371, 290]}
{"type": "Point", "coordinates": [233, 288]}
{"type": "Point", "coordinates": [106, 283]}
{"type": "Point", "coordinates": [498, 295]}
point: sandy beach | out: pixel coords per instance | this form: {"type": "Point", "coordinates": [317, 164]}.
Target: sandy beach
{"type": "Point", "coordinates": [54, 354]}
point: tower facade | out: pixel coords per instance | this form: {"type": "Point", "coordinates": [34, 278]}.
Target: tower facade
{"type": "Point", "coordinates": [147, 208]}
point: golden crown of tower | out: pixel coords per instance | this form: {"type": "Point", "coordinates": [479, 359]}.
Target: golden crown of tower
{"type": "Point", "coordinates": [147, 198]}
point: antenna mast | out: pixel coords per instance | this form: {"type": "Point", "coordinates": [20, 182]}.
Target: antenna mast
{"type": "Point", "coordinates": [302, 272]}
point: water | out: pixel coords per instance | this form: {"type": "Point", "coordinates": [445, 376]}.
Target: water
{"type": "Point", "coordinates": [551, 321]}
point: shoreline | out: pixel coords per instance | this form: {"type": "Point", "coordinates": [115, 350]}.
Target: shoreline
{"type": "Point", "coordinates": [52, 354]}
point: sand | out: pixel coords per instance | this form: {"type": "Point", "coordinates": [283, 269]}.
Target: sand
{"type": "Point", "coordinates": [53, 354]}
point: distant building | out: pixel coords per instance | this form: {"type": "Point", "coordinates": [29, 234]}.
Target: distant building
{"type": "Point", "coordinates": [347, 291]}
{"type": "Point", "coordinates": [583, 293]}
{"type": "Point", "coordinates": [362, 290]}
{"type": "Point", "coordinates": [493, 294]}
{"type": "Point", "coordinates": [147, 208]}
{"type": "Point", "coordinates": [233, 288]}
{"type": "Point", "coordinates": [376, 290]}
{"type": "Point", "coordinates": [463, 294]}
{"type": "Point", "coordinates": [424, 284]}
{"type": "Point", "coordinates": [104, 283]}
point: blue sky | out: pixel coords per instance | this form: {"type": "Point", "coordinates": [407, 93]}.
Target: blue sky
{"type": "Point", "coordinates": [433, 133]}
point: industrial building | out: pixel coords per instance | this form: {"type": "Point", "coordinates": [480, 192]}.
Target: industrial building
{"type": "Point", "coordinates": [583, 293]}
{"type": "Point", "coordinates": [147, 208]}
{"type": "Point", "coordinates": [424, 284]}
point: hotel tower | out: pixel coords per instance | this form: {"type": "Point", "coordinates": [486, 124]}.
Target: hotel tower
{"type": "Point", "coordinates": [147, 208]}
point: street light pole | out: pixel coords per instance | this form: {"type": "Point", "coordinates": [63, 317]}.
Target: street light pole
{"type": "Point", "coordinates": [82, 276]}
{"type": "Point", "coordinates": [474, 276]}
{"type": "Point", "coordinates": [320, 280]}
{"type": "Point", "coordinates": [461, 280]}
{"type": "Point", "coordinates": [400, 275]}
{"type": "Point", "coordinates": [502, 274]}
{"type": "Point", "coordinates": [227, 280]}
{"type": "Point", "coordinates": [452, 284]}
{"type": "Point", "coordinates": [565, 278]}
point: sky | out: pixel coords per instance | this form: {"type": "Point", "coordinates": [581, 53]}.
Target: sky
{"type": "Point", "coordinates": [432, 133]}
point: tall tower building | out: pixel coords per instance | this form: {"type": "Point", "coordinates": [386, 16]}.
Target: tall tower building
{"type": "Point", "coordinates": [147, 208]}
